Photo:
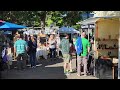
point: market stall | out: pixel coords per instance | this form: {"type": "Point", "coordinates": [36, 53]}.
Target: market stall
{"type": "Point", "coordinates": [7, 26]}
{"type": "Point", "coordinates": [106, 35]}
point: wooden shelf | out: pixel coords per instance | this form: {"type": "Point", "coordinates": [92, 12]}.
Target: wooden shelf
{"type": "Point", "coordinates": [108, 49]}
{"type": "Point", "coordinates": [108, 40]}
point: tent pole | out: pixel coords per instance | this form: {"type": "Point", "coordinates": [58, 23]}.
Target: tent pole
{"type": "Point", "coordinates": [119, 52]}
{"type": "Point", "coordinates": [95, 48]}
{"type": "Point", "coordinates": [88, 34]}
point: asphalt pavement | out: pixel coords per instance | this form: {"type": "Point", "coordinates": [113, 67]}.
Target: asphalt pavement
{"type": "Point", "coordinates": [46, 69]}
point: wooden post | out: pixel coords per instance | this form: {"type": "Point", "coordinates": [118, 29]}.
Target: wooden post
{"type": "Point", "coordinates": [119, 53]}
{"type": "Point", "coordinates": [94, 49]}
{"type": "Point", "coordinates": [88, 33]}
{"type": "Point", "coordinates": [113, 71]}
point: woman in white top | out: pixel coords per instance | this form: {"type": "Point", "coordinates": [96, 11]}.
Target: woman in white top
{"type": "Point", "coordinates": [58, 44]}
{"type": "Point", "coordinates": [52, 47]}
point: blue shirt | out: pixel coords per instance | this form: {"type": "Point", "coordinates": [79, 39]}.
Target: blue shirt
{"type": "Point", "coordinates": [20, 46]}
{"type": "Point", "coordinates": [79, 46]}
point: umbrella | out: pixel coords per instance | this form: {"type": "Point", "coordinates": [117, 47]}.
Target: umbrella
{"type": "Point", "coordinates": [10, 26]}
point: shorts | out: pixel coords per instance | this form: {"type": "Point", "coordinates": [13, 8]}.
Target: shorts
{"type": "Point", "coordinates": [70, 57]}
{"type": "Point", "coordinates": [22, 55]}
{"type": "Point", "coordinates": [66, 58]}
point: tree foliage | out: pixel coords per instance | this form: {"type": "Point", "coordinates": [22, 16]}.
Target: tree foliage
{"type": "Point", "coordinates": [43, 18]}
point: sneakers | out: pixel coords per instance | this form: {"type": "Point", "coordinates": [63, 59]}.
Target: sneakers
{"type": "Point", "coordinates": [66, 72]}
{"type": "Point", "coordinates": [33, 67]}
{"type": "Point", "coordinates": [78, 75]}
{"type": "Point", "coordinates": [71, 71]}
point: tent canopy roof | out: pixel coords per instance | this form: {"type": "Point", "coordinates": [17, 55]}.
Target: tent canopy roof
{"type": "Point", "coordinates": [89, 21]}
{"type": "Point", "coordinates": [106, 13]}
{"type": "Point", "coordinates": [93, 20]}
{"type": "Point", "coordinates": [10, 26]}
{"type": "Point", "coordinates": [67, 30]}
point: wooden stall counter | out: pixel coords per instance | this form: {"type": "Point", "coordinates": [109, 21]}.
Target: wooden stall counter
{"type": "Point", "coordinates": [115, 68]}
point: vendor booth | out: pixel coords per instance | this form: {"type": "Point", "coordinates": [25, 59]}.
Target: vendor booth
{"type": "Point", "coordinates": [106, 37]}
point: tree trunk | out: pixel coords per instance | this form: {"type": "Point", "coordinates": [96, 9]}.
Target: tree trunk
{"type": "Point", "coordinates": [43, 17]}
{"type": "Point", "coordinates": [42, 24]}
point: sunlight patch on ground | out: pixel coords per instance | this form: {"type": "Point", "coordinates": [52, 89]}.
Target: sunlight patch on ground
{"type": "Point", "coordinates": [74, 76]}
{"type": "Point", "coordinates": [36, 65]}
{"type": "Point", "coordinates": [55, 65]}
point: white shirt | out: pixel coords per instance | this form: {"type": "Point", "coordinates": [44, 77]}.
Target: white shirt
{"type": "Point", "coordinates": [52, 44]}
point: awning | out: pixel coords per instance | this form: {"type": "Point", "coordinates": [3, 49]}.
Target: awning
{"type": "Point", "coordinates": [107, 14]}
{"type": "Point", "coordinates": [94, 19]}
{"type": "Point", "coordinates": [88, 21]}
{"type": "Point", "coordinates": [10, 26]}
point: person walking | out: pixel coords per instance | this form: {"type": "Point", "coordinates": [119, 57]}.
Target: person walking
{"type": "Point", "coordinates": [65, 48]}
{"type": "Point", "coordinates": [72, 52]}
{"type": "Point", "coordinates": [75, 43]}
{"type": "Point", "coordinates": [20, 48]}
{"type": "Point", "coordinates": [82, 56]}
{"type": "Point", "coordinates": [52, 46]}
{"type": "Point", "coordinates": [32, 44]}
{"type": "Point", "coordinates": [58, 44]}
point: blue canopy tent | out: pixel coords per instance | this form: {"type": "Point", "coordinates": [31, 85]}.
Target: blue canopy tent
{"type": "Point", "coordinates": [10, 26]}
{"type": "Point", "coordinates": [68, 30]}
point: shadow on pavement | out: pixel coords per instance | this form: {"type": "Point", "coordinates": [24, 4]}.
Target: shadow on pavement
{"type": "Point", "coordinates": [42, 71]}
{"type": "Point", "coordinates": [35, 73]}
{"type": "Point", "coordinates": [49, 62]}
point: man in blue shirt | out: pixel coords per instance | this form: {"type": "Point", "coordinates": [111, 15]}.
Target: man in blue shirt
{"type": "Point", "coordinates": [20, 47]}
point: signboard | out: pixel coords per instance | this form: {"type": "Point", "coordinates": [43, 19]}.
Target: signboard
{"type": "Point", "coordinates": [84, 26]}
{"type": "Point", "coordinates": [90, 26]}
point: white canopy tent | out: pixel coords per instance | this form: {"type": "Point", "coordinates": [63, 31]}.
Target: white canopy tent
{"type": "Point", "coordinates": [31, 32]}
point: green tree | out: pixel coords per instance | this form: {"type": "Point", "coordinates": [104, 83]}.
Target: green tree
{"type": "Point", "coordinates": [43, 18]}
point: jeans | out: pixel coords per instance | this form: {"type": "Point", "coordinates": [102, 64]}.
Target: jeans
{"type": "Point", "coordinates": [81, 60]}
{"type": "Point", "coordinates": [21, 64]}
{"type": "Point", "coordinates": [52, 52]}
{"type": "Point", "coordinates": [33, 59]}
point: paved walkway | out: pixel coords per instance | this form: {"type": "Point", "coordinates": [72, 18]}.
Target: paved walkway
{"type": "Point", "coordinates": [45, 70]}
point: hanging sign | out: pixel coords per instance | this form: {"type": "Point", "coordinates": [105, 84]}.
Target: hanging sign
{"type": "Point", "coordinates": [90, 26]}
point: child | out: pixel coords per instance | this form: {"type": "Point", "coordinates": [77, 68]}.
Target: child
{"type": "Point", "coordinates": [4, 57]}
{"type": "Point", "coordinates": [7, 56]}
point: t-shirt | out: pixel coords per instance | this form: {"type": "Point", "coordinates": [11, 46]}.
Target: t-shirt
{"type": "Point", "coordinates": [85, 44]}
{"type": "Point", "coordinates": [32, 46]}
{"type": "Point", "coordinates": [52, 44]}
{"type": "Point", "coordinates": [20, 46]}
{"type": "Point", "coordinates": [65, 46]}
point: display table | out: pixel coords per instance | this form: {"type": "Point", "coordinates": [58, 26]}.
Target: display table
{"type": "Point", "coordinates": [41, 52]}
